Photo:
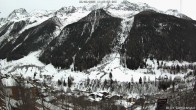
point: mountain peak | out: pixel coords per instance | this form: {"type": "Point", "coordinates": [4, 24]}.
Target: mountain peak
{"type": "Point", "coordinates": [96, 15]}
{"type": "Point", "coordinates": [18, 13]}
{"type": "Point", "coordinates": [126, 5]}
{"type": "Point", "coordinates": [125, 2]}
{"type": "Point", "coordinates": [20, 10]}
{"type": "Point", "coordinates": [66, 10]}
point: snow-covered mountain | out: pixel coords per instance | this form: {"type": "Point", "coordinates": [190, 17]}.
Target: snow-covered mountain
{"type": "Point", "coordinates": [65, 10]}
{"type": "Point", "coordinates": [41, 13]}
{"type": "Point", "coordinates": [122, 8]}
{"type": "Point", "coordinates": [107, 44]}
{"type": "Point", "coordinates": [177, 14]}
{"type": "Point", "coordinates": [77, 41]}
{"type": "Point", "coordinates": [17, 28]}
{"type": "Point", "coordinates": [58, 31]}
{"type": "Point", "coordinates": [126, 5]}
{"type": "Point", "coordinates": [18, 14]}
{"type": "Point", "coordinates": [2, 21]}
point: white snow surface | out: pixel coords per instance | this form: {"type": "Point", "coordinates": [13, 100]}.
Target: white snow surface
{"type": "Point", "coordinates": [18, 14]}
{"type": "Point", "coordinates": [34, 21]}
{"type": "Point", "coordinates": [122, 10]}
{"type": "Point", "coordinates": [175, 13]}
{"type": "Point", "coordinates": [30, 64]}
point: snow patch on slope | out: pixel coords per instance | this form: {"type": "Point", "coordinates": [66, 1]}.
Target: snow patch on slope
{"type": "Point", "coordinates": [18, 14]}
{"type": "Point", "coordinates": [6, 35]}
{"type": "Point", "coordinates": [73, 17]}
{"type": "Point", "coordinates": [176, 13]}
{"type": "Point", "coordinates": [34, 21]}
{"type": "Point", "coordinates": [112, 64]}
{"type": "Point", "coordinates": [126, 25]}
{"type": "Point", "coordinates": [2, 21]}
{"type": "Point", "coordinates": [8, 81]}
{"type": "Point", "coordinates": [31, 59]}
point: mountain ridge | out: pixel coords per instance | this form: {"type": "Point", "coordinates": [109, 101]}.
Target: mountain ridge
{"type": "Point", "coordinates": [21, 13]}
{"type": "Point", "coordinates": [84, 42]}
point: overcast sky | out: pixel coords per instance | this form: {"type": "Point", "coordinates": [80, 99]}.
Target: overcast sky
{"type": "Point", "coordinates": [7, 6]}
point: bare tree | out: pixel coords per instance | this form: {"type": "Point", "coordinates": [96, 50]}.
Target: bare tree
{"type": "Point", "coordinates": [25, 95]}
{"type": "Point", "coordinates": [2, 96]}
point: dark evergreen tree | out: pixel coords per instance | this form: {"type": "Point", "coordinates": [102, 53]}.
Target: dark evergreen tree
{"type": "Point", "coordinates": [158, 62]}
{"type": "Point", "coordinates": [129, 85]}
{"type": "Point", "coordinates": [194, 89]}
{"type": "Point", "coordinates": [34, 75]}
{"type": "Point", "coordinates": [64, 83]}
{"type": "Point", "coordinates": [111, 82]}
{"type": "Point", "coordinates": [178, 68]}
{"type": "Point", "coordinates": [69, 82]}
{"type": "Point", "coordinates": [110, 75]}
{"type": "Point", "coordinates": [140, 80]}
{"type": "Point", "coordinates": [105, 82]}
{"type": "Point", "coordinates": [194, 72]}
{"type": "Point", "coordinates": [59, 82]}
{"type": "Point", "coordinates": [164, 85]}
{"type": "Point", "coordinates": [88, 81]}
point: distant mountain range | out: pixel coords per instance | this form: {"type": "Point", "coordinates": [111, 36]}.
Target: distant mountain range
{"type": "Point", "coordinates": [82, 36]}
